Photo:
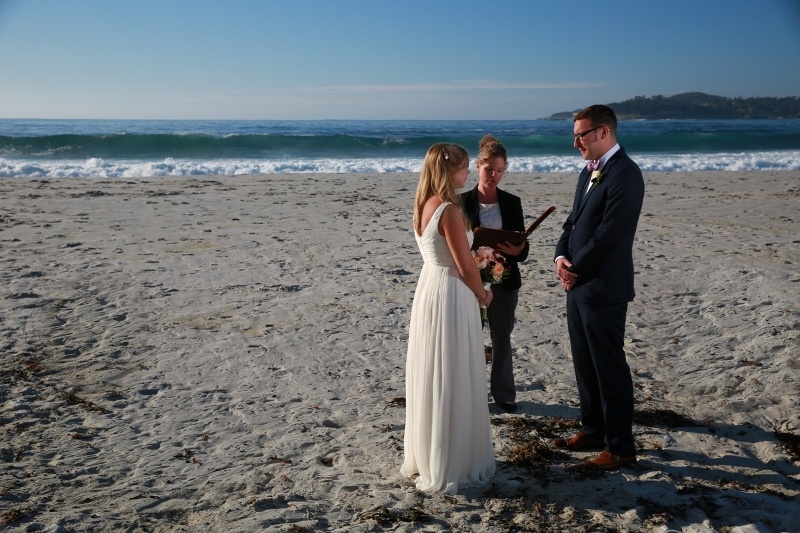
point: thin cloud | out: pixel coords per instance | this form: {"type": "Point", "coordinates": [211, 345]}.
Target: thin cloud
{"type": "Point", "coordinates": [466, 85]}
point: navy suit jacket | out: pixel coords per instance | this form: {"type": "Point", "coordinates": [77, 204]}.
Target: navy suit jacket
{"type": "Point", "coordinates": [598, 234]}
{"type": "Point", "coordinates": [513, 219]}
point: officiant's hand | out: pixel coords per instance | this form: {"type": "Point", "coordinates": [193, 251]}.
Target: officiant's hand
{"type": "Point", "coordinates": [567, 277]}
{"type": "Point", "coordinates": [510, 250]}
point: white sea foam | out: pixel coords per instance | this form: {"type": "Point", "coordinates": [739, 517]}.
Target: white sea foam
{"type": "Point", "coordinates": [100, 168]}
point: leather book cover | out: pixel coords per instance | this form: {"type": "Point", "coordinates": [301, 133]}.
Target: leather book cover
{"type": "Point", "coordinates": [491, 237]}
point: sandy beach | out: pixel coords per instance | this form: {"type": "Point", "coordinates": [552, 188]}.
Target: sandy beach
{"type": "Point", "coordinates": [227, 354]}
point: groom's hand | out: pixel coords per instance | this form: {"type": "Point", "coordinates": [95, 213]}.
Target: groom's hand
{"type": "Point", "coordinates": [567, 277]}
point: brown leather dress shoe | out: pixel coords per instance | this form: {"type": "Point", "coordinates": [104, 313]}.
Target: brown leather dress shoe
{"type": "Point", "coordinates": [608, 461]}
{"type": "Point", "coordinates": [581, 441]}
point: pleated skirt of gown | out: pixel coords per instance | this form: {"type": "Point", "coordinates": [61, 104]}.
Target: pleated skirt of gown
{"type": "Point", "coordinates": [448, 437]}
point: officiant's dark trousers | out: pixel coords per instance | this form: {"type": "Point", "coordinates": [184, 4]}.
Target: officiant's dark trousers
{"type": "Point", "coordinates": [605, 387]}
{"type": "Point", "coordinates": [501, 324]}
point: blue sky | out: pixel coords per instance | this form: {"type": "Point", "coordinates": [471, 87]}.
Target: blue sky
{"type": "Point", "coordinates": [382, 59]}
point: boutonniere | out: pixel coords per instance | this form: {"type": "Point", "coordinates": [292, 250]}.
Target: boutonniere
{"type": "Point", "coordinates": [597, 177]}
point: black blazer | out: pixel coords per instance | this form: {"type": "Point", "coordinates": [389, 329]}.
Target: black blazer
{"type": "Point", "coordinates": [513, 219]}
{"type": "Point", "coordinates": [598, 234]}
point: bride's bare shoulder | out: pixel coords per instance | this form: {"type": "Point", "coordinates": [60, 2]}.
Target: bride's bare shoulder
{"type": "Point", "coordinates": [430, 207]}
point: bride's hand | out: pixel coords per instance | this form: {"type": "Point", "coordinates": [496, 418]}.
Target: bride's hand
{"type": "Point", "coordinates": [489, 297]}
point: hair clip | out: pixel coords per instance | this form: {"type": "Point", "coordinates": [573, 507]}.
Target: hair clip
{"type": "Point", "coordinates": [444, 153]}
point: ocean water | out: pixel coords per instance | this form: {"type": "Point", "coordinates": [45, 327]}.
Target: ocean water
{"type": "Point", "coordinates": [127, 148]}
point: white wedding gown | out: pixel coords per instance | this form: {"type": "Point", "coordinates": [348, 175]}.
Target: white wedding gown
{"type": "Point", "coordinates": [448, 438]}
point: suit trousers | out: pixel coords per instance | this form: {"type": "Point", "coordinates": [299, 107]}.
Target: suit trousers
{"type": "Point", "coordinates": [605, 386]}
{"type": "Point", "coordinates": [501, 323]}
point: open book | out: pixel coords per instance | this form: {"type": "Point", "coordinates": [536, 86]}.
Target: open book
{"type": "Point", "coordinates": [490, 237]}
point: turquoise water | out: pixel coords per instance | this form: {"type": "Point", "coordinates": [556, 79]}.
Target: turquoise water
{"type": "Point", "coordinates": [119, 148]}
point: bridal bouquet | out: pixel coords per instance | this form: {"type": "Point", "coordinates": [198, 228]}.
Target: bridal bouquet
{"type": "Point", "coordinates": [493, 268]}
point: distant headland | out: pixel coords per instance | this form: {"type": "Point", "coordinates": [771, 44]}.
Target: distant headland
{"type": "Point", "coordinates": [700, 106]}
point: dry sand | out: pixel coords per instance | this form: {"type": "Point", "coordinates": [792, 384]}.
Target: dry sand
{"type": "Point", "coordinates": [227, 354]}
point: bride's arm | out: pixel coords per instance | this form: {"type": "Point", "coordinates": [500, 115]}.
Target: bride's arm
{"type": "Point", "coordinates": [451, 226]}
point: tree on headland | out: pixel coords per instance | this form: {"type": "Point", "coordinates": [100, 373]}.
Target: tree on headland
{"type": "Point", "coordinates": [696, 105]}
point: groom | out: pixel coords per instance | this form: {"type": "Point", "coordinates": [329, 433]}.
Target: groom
{"type": "Point", "coordinates": [594, 261]}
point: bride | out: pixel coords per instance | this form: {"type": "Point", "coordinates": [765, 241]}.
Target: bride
{"type": "Point", "coordinates": [448, 437]}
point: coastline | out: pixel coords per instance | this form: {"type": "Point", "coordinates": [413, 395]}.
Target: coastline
{"type": "Point", "coordinates": [110, 149]}
{"type": "Point", "coordinates": [227, 354]}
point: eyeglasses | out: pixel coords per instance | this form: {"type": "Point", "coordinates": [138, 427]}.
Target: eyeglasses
{"type": "Point", "coordinates": [581, 135]}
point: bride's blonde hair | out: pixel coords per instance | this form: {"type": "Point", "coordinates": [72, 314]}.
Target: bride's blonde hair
{"type": "Point", "coordinates": [436, 179]}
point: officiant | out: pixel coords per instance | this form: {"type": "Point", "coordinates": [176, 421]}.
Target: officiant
{"type": "Point", "coordinates": [490, 207]}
